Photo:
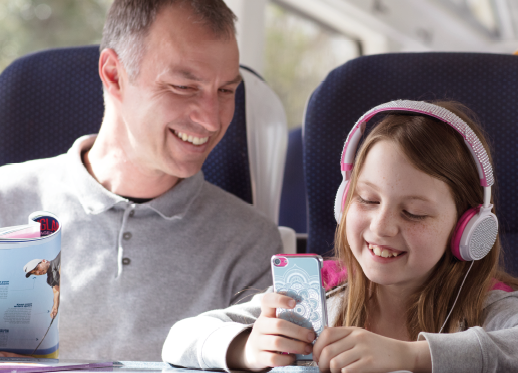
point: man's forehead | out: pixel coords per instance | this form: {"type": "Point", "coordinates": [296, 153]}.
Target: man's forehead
{"type": "Point", "coordinates": [189, 74]}
{"type": "Point", "coordinates": [181, 24]}
{"type": "Point", "coordinates": [176, 29]}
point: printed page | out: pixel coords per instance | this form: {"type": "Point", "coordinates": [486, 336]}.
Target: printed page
{"type": "Point", "coordinates": [30, 274]}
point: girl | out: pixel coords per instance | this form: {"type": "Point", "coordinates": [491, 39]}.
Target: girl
{"type": "Point", "coordinates": [411, 299]}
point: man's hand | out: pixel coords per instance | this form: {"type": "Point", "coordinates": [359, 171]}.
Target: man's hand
{"type": "Point", "coordinates": [10, 354]}
{"type": "Point", "coordinates": [352, 349]}
{"type": "Point", "coordinates": [54, 312]}
{"type": "Point", "coordinates": [272, 342]}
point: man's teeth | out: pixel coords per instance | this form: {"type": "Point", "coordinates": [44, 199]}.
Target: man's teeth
{"type": "Point", "coordinates": [192, 139]}
{"type": "Point", "coordinates": [382, 252]}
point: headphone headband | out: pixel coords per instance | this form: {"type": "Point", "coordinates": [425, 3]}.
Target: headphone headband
{"type": "Point", "coordinates": [478, 152]}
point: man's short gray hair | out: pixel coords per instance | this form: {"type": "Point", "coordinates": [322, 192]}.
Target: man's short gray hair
{"type": "Point", "coordinates": [128, 23]}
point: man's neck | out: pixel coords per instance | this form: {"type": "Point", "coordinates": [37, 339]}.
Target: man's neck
{"type": "Point", "coordinates": [108, 164]}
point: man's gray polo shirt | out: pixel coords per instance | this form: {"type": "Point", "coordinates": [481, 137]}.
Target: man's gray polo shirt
{"type": "Point", "coordinates": [130, 271]}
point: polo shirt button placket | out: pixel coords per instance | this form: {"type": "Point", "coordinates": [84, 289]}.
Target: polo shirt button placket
{"type": "Point", "coordinates": [127, 235]}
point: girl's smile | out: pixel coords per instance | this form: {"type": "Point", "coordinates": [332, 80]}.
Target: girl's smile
{"type": "Point", "coordinates": [400, 218]}
{"type": "Point", "coordinates": [384, 254]}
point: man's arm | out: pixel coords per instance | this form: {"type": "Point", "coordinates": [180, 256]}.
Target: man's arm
{"type": "Point", "coordinates": [55, 306]}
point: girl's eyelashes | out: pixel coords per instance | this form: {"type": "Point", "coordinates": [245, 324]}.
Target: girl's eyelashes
{"type": "Point", "coordinates": [414, 217]}
{"type": "Point", "coordinates": [366, 201]}
{"type": "Point", "coordinates": [406, 214]}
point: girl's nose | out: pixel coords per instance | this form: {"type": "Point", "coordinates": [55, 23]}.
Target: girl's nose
{"type": "Point", "coordinates": [384, 223]}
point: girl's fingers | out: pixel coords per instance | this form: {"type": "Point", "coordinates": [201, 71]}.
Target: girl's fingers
{"type": "Point", "coordinates": [348, 359]}
{"type": "Point", "coordinates": [362, 351]}
{"type": "Point", "coordinates": [334, 354]}
{"type": "Point", "coordinates": [357, 365]}
{"type": "Point", "coordinates": [272, 336]}
{"type": "Point", "coordinates": [274, 326]}
{"type": "Point", "coordinates": [272, 301]}
{"type": "Point", "coordinates": [328, 337]}
{"type": "Point", "coordinates": [277, 343]}
{"type": "Point", "coordinates": [275, 359]}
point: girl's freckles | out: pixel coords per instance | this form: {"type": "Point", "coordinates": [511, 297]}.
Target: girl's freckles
{"type": "Point", "coordinates": [385, 219]}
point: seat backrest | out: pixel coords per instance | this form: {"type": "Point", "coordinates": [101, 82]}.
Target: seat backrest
{"type": "Point", "coordinates": [486, 83]}
{"type": "Point", "coordinates": [48, 99]}
{"type": "Point", "coordinates": [293, 210]}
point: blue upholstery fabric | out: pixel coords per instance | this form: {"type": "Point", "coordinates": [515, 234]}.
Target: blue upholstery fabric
{"type": "Point", "coordinates": [293, 209]}
{"type": "Point", "coordinates": [486, 83]}
{"type": "Point", "coordinates": [48, 99]}
{"type": "Point", "coordinates": [227, 165]}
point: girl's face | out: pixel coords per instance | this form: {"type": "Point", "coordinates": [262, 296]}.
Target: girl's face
{"type": "Point", "coordinates": [399, 220]}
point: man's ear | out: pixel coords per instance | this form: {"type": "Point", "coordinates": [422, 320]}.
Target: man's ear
{"type": "Point", "coordinates": [111, 72]}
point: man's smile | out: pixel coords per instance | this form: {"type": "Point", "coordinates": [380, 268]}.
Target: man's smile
{"type": "Point", "coordinates": [189, 138]}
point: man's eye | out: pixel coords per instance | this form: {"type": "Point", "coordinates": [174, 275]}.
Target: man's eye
{"type": "Point", "coordinates": [226, 91]}
{"type": "Point", "coordinates": [181, 87]}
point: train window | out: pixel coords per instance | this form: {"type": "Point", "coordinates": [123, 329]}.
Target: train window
{"type": "Point", "coordinates": [30, 25]}
{"type": "Point", "coordinates": [299, 52]}
{"type": "Point", "coordinates": [483, 12]}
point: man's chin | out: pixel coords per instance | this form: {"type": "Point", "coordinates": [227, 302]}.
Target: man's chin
{"type": "Point", "coordinates": [185, 172]}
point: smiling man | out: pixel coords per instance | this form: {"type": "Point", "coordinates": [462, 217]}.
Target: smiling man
{"type": "Point", "coordinates": [146, 241]}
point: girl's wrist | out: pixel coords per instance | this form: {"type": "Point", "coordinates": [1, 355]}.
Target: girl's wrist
{"type": "Point", "coordinates": [420, 351]}
{"type": "Point", "coordinates": [236, 351]}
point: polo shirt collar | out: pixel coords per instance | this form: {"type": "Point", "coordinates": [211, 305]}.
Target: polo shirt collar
{"type": "Point", "coordinates": [96, 199]}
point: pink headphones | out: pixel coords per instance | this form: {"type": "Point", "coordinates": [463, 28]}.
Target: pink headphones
{"type": "Point", "coordinates": [477, 229]}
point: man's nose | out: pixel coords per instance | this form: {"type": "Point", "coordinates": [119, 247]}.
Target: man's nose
{"type": "Point", "coordinates": [384, 223]}
{"type": "Point", "coordinates": [206, 112]}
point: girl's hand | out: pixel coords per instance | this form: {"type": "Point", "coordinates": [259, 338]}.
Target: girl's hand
{"type": "Point", "coordinates": [352, 349]}
{"type": "Point", "coordinates": [272, 342]}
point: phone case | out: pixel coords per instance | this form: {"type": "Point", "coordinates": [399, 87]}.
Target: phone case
{"type": "Point", "coordinates": [299, 277]}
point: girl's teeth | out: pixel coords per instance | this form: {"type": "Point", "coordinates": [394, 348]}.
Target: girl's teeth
{"type": "Point", "coordinates": [381, 252]}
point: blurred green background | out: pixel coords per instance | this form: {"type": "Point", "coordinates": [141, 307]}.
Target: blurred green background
{"type": "Point", "coordinates": [298, 52]}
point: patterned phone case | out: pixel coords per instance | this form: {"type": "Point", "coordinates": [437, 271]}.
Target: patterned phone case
{"type": "Point", "coordinates": [299, 277]}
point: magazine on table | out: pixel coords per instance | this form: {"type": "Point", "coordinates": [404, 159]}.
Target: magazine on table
{"type": "Point", "coordinates": [38, 365]}
{"type": "Point", "coordinates": [30, 274]}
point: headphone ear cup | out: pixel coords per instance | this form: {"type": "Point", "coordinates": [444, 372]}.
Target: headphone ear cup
{"type": "Point", "coordinates": [341, 196]}
{"type": "Point", "coordinates": [474, 235]}
{"type": "Point", "coordinates": [459, 229]}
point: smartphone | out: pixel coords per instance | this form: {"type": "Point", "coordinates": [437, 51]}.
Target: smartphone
{"type": "Point", "coordinates": [299, 276]}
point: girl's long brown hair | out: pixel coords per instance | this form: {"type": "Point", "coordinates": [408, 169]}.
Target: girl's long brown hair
{"type": "Point", "coordinates": [436, 149]}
